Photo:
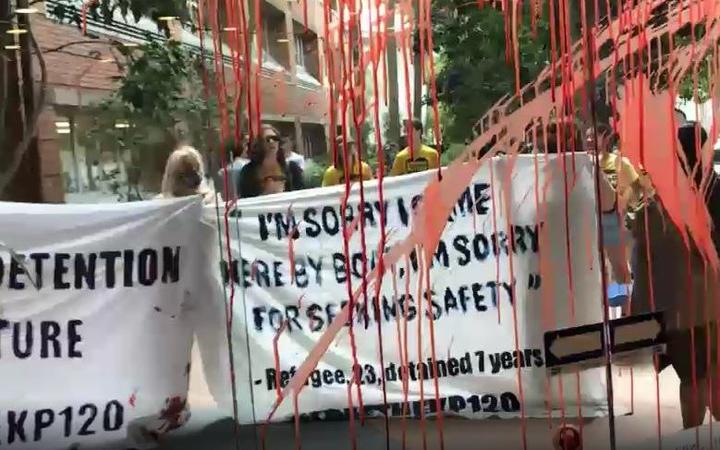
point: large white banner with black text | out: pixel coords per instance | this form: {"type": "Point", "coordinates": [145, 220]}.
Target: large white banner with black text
{"type": "Point", "coordinates": [96, 321]}
{"type": "Point", "coordinates": [480, 302]}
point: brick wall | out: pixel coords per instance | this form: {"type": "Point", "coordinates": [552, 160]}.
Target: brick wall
{"type": "Point", "coordinates": [76, 65]}
{"type": "Point", "coordinates": [77, 68]}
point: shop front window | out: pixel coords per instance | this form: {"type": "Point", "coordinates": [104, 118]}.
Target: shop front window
{"type": "Point", "coordinates": [91, 168]}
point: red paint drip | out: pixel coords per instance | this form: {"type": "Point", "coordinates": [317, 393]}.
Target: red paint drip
{"type": "Point", "coordinates": [433, 355]}
{"type": "Point", "coordinates": [376, 54]}
{"type": "Point", "coordinates": [406, 369]}
{"type": "Point", "coordinates": [296, 417]}
{"type": "Point", "coordinates": [305, 14]}
{"type": "Point", "coordinates": [511, 266]}
{"type": "Point", "coordinates": [276, 358]}
{"type": "Point", "coordinates": [346, 61]}
{"type": "Point", "coordinates": [404, 48]}
{"type": "Point", "coordinates": [495, 230]}
{"type": "Point", "coordinates": [423, 428]}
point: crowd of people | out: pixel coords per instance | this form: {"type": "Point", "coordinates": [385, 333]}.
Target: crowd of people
{"type": "Point", "coordinates": [269, 164]}
{"type": "Point", "coordinates": [640, 242]}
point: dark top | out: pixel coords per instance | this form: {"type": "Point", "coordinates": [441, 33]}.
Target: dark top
{"type": "Point", "coordinates": [249, 183]}
{"type": "Point", "coordinates": [664, 270]}
{"type": "Point", "coordinates": [233, 171]}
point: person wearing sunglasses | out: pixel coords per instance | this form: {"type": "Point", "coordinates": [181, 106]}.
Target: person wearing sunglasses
{"type": "Point", "coordinates": [268, 172]}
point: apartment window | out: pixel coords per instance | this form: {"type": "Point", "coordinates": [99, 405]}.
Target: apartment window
{"type": "Point", "coordinates": [299, 51]}
{"type": "Point", "coordinates": [266, 51]}
{"type": "Point", "coordinates": [193, 11]}
{"type": "Point", "coordinates": [306, 51]}
{"type": "Point", "coordinates": [266, 39]}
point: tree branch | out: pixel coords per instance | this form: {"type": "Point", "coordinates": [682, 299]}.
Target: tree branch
{"type": "Point", "coordinates": [69, 44]}
{"type": "Point", "coordinates": [20, 150]}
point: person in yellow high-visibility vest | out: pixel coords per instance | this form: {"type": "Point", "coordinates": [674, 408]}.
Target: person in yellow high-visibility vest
{"type": "Point", "coordinates": [421, 158]}
{"type": "Point", "coordinates": [336, 174]}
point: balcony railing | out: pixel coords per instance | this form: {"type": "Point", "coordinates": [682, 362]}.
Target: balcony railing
{"type": "Point", "coordinates": [70, 12]}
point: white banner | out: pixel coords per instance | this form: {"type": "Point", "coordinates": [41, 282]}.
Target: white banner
{"type": "Point", "coordinates": [96, 321]}
{"type": "Point", "coordinates": [479, 300]}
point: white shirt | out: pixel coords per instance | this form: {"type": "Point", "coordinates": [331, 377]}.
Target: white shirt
{"type": "Point", "coordinates": [297, 158]}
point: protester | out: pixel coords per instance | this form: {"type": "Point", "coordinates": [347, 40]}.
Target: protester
{"type": "Point", "coordinates": [268, 172]}
{"type": "Point", "coordinates": [618, 170]}
{"type": "Point", "coordinates": [288, 147]}
{"type": "Point", "coordinates": [185, 175]}
{"type": "Point", "coordinates": [627, 193]}
{"type": "Point", "coordinates": [238, 155]}
{"type": "Point", "coordinates": [423, 157]}
{"type": "Point", "coordinates": [335, 174]}
{"type": "Point", "coordinates": [680, 117]}
{"type": "Point", "coordinates": [565, 132]}
{"type": "Point", "coordinates": [675, 277]}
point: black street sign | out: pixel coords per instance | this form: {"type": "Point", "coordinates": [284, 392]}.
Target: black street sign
{"type": "Point", "coordinates": [571, 346]}
{"type": "Point", "coordinates": [638, 332]}
{"type": "Point", "coordinates": [585, 346]}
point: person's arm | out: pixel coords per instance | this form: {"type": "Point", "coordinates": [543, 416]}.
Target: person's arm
{"type": "Point", "coordinates": [296, 174]}
{"type": "Point", "coordinates": [632, 186]}
{"type": "Point", "coordinates": [247, 183]}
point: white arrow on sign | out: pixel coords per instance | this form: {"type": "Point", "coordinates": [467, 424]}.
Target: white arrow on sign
{"type": "Point", "coordinates": [581, 343]}
{"type": "Point", "coordinates": [636, 332]}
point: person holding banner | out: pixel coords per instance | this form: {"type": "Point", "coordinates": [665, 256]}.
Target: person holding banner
{"type": "Point", "coordinates": [268, 172]}
{"type": "Point", "coordinates": [185, 175]}
{"type": "Point", "coordinates": [626, 193]}
{"type": "Point", "coordinates": [335, 174]}
{"type": "Point", "coordinates": [671, 270]}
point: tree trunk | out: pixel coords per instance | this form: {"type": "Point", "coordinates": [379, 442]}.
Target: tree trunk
{"type": "Point", "coordinates": [26, 183]}
{"type": "Point", "coordinates": [417, 72]}
{"type": "Point", "coordinates": [417, 86]}
{"type": "Point", "coordinates": [392, 84]}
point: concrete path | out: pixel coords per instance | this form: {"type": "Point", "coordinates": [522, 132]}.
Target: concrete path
{"type": "Point", "coordinates": [208, 429]}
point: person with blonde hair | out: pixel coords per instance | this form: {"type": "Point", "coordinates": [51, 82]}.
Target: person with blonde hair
{"type": "Point", "coordinates": [184, 175]}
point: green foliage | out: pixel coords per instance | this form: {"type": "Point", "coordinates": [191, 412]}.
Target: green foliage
{"type": "Point", "coordinates": [473, 71]}
{"type": "Point", "coordinates": [158, 104]}
{"type": "Point", "coordinates": [314, 170]}
{"type": "Point", "coordinates": [452, 152]}
{"type": "Point", "coordinates": [103, 10]}
{"type": "Point", "coordinates": [687, 86]}
{"type": "Point", "coordinates": [156, 80]}
{"type": "Point", "coordinates": [700, 78]}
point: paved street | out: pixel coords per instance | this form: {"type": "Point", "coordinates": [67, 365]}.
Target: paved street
{"type": "Point", "coordinates": [208, 429]}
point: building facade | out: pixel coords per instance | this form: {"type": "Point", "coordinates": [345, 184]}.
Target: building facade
{"type": "Point", "coordinates": [81, 72]}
